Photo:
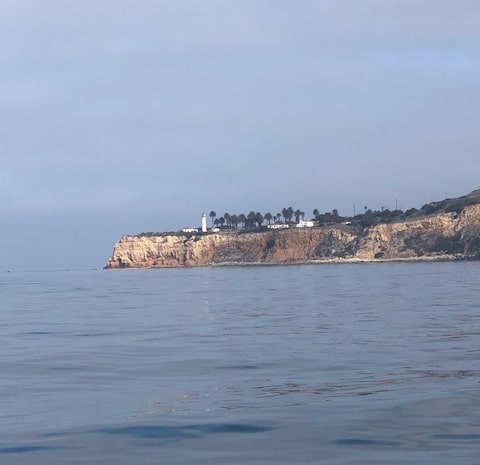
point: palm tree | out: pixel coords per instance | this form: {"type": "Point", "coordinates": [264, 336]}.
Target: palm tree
{"type": "Point", "coordinates": [243, 219]}
{"type": "Point", "coordinates": [316, 212]}
{"type": "Point", "coordinates": [287, 214]}
{"type": "Point", "coordinates": [298, 214]}
{"type": "Point", "coordinates": [227, 218]}
{"type": "Point", "coordinates": [268, 217]}
{"type": "Point", "coordinates": [251, 218]}
{"type": "Point", "coordinates": [221, 220]}
{"type": "Point", "coordinates": [290, 214]}
{"type": "Point", "coordinates": [259, 219]}
{"type": "Point", "coordinates": [212, 216]}
{"type": "Point", "coordinates": [234, 220]}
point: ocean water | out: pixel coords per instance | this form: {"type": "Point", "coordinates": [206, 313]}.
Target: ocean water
{"type": "Point", "coordinates": [326, 364]}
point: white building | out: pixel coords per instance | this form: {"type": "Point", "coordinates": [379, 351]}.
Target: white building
{"type": "Point", "coordinates": [277, 226]}
{"type": "Point", "coordinates": [304, 224]}
{"type": "Point", "coordinates": [204, 222]}
{"type": "Point", "coordinates": [189, 229]}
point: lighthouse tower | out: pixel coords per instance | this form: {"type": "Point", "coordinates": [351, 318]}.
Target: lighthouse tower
{"type": "Point", "coordinates": [204, 223]}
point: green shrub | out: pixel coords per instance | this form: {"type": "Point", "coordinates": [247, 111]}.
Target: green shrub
{"type": "Point", "coordinates": [454, 208]}
{"type": "Point", "coordinates": [449, 244]}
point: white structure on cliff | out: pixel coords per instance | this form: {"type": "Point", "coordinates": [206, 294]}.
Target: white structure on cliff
{"type": "Point", "coordinates": [204, 222]}
{"type": "Point", "coordinates": [278, 225]}
{"type": "Point", "coordinates": [304, 224]}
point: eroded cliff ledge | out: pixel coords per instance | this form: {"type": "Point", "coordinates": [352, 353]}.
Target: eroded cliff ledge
{"type": "Point", "coordinates": [443, 235]}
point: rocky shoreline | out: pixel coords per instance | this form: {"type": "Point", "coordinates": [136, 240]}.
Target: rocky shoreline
{"type": "Point", "coordinates": [331, 261]}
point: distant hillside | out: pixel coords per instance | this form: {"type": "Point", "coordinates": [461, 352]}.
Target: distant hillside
{"type": "Point", "coordinates": [450, 205]}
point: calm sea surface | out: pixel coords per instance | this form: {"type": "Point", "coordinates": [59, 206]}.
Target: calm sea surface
{"type": "Point", "coordinates": [330, 364]}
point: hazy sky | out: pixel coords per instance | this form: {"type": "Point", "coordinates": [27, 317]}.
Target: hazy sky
{"type": "Point", "coordinates": [125, 116]}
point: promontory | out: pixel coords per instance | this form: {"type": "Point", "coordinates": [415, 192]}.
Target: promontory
{"type": "Point", "coordinates": [449, 229]}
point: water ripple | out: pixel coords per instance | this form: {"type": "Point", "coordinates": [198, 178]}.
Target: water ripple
{"type": "Point", "coordinates": [366, 442]}
{"type": "Point", "coordinates": [24, 449]}
{"type": "Point", "coordinates": [187, 431]}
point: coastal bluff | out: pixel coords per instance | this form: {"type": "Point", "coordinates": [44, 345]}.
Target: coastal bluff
{"type": "Point", "coordinates": [441, 235]}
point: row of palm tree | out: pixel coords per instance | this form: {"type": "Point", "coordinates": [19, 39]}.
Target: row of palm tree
{"type": "Point", "coordinates": [288, 215]}
{"type": "Point", "coordinates": [256, 219]}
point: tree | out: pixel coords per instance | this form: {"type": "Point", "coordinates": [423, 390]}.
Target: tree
{"type": "Point", "coordinates": [251, 219]}
{"type": "Point", "coordinates": [259, 219]}
{"type": "Point", "coordinates": [227, 218]}
{"type": "Point", "coordinates": [290, 213]}
{"type": "Point", "coordinates": [268, 217]}
{"type": "Point", "coordinates": [287, 214]}
{"type": "Point", "coordinates": [368, 218]}
{"type": "Point", "coordinates": [243, 219]}
{"type": "Point", "coordinates": [221, 220]}
{"type": "Point", "coordinates": [316, 212]}
{"type": "Point", "coordinates": [336, 218]}
{"type": "Point", "coordinates": [324, 218]}
{"type": "Point", "coordinates": [234, 220]}
{"type": "Point", "coordinates": [297, 214]}
{"type": "Point", "coordinates": [212, 215]}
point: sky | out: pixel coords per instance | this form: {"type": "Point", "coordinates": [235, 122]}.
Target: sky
{"type": "Point", "coordinates": [121, 117]}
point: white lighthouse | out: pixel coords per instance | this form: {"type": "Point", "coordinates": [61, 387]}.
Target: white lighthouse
{"type": "Point", "coordinates": [204, 222]}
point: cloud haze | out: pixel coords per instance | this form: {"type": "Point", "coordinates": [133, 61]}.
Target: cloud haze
{"type": "Point", "coordinates": [121, 117]}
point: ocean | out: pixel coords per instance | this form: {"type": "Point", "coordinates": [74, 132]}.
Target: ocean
{"type": "Point", "coordinates": [352, 364]}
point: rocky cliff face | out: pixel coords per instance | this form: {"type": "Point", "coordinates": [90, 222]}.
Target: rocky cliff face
{"type": "Point", "coordinates": [448, 235]}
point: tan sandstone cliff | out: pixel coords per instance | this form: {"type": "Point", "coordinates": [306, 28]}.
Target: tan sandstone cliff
{"type": "Point", "coordinates": [445, 235]}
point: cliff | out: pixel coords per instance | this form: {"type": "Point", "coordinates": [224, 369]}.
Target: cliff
{"type": "Point", "coordinates": [440, 235]}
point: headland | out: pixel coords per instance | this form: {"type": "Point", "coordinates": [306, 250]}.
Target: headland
{"type": "Point", "coordinates": [445, 230]}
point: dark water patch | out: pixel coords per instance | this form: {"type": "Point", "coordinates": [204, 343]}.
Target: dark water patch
{"type": "Point", "coordinates": [231, 428]}
{"type": "Point", "coordinates": [239, 367]}
{"type": "Point", "coordinates": [447, 374]}
{"type": "Point", "coordinates": [336, 390]}
{"type": "Point", "coordinates": [150, 432]}
{"type": "Point", "coordinates": [366, 442]}
{"type": "Point", "coordinates": [187, 431]}
{"type": "Point", "coordinates": [25, 449]}
{"type": "Point", "coordinates": [98, 334]}
{"type": "Point", "coordinates": [458, 437]}
{"type": "Point", "coordinates": [66, 369]}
